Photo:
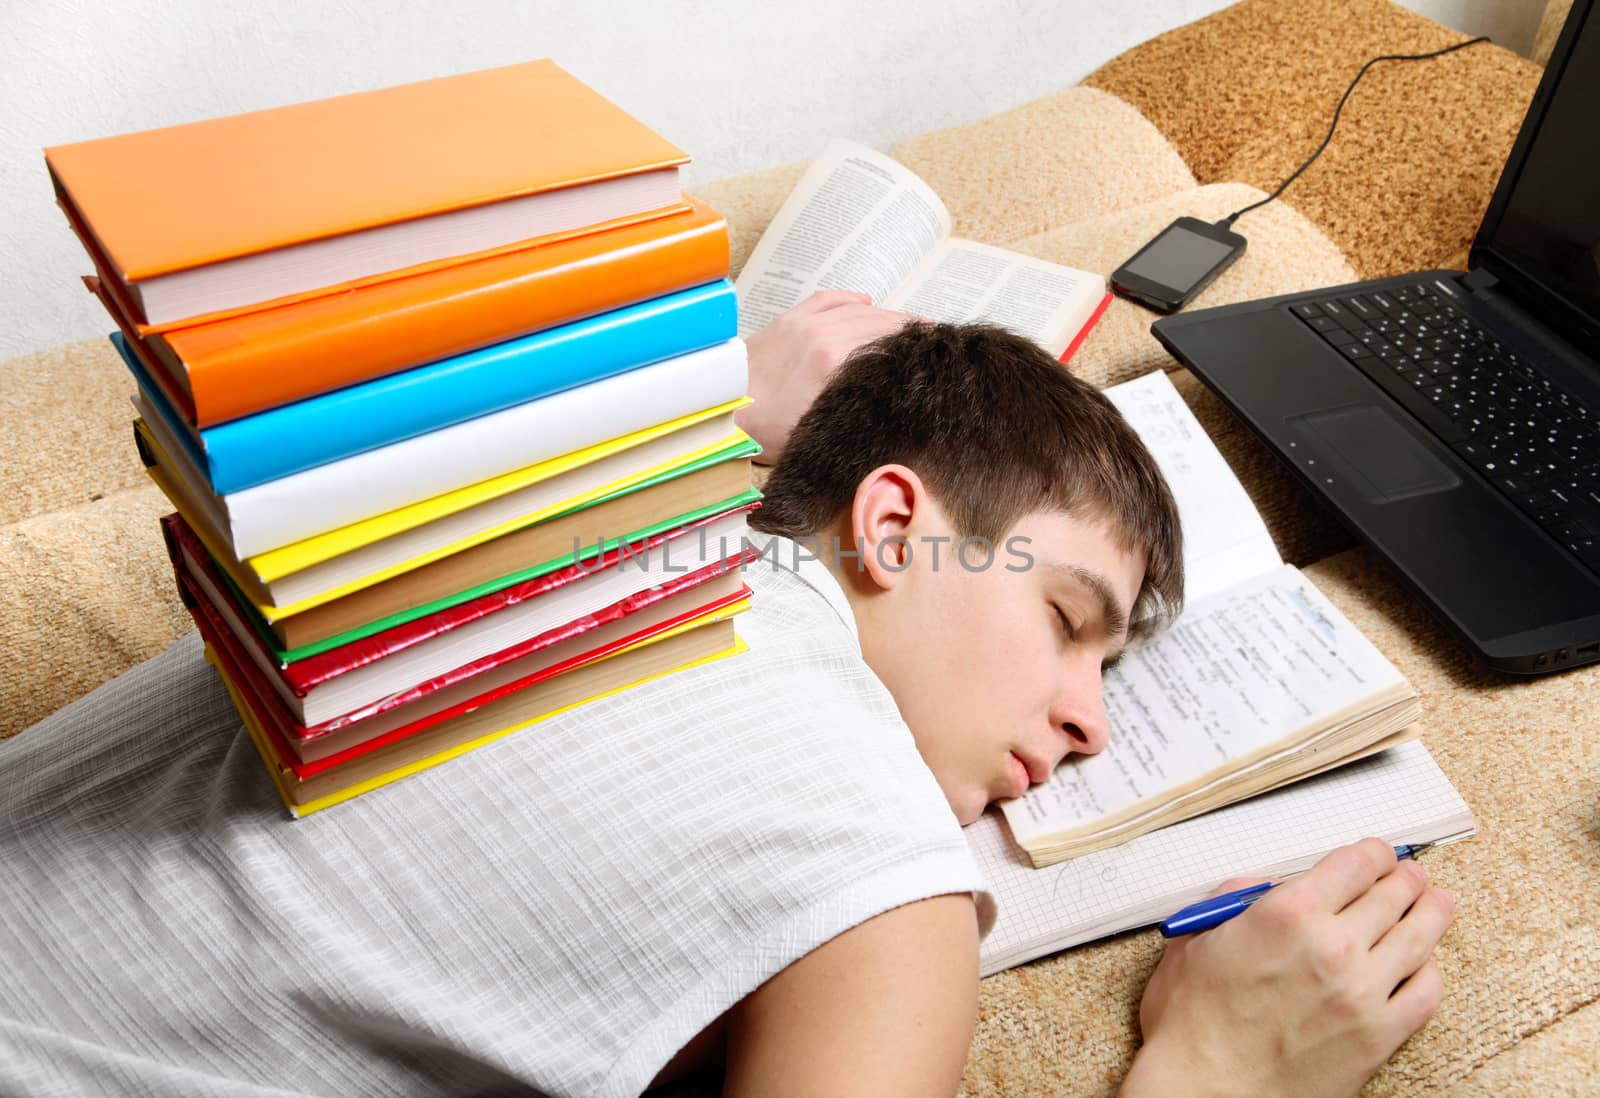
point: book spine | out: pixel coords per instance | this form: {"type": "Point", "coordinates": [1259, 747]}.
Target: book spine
{"type": "Point", "coordinates": [236, 664]}
{"type": "Point", "coordinates": [183, 538]}
{"type": "Point", "coordinates": [157, 396]}
{"type": "Point", "coordinates": [173, 532]}
{"type": "Point", "coordinates": [1083, 332]}
{"type": "Point", "coordinates": [260, 360]}
{"type": "Point", "coordinates": [329, 496]}
{"type": "Point", "coordinates": [250, 451]}
{"type": "Point", "coordinates": [160, 374]}
{"type": "Point", "coordinates": [146, 454]}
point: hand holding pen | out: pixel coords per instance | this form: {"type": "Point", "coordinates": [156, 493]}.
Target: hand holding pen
{"type": "Point", "coordinates": [1307, 996]}
{"type": "Point", "coordinates": [1216, 910]}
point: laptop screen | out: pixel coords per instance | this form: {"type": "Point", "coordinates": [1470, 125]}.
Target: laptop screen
{"type": "Point", "coordinates": [1549, 225]}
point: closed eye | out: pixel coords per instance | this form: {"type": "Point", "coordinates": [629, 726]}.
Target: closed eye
{"type": "Point", "coordinates": [1066, 626]}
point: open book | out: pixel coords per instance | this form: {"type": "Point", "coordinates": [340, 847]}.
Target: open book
{"type": "Point", "coordinates": [859, 220]}
{"type": "Point", "coordinates": [1399, 795]}
{"type": "Point", "coordinates": [1260, 682]}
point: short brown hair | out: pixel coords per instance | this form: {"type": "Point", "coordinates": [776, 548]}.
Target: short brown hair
{"type": "Point", "coordinates": [997, 429]}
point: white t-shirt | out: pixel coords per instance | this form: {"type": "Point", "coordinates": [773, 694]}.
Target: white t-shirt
{"type": "Point", "coordinates": [557, 912]}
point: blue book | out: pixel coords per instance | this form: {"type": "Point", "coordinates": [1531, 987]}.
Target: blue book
{"type": "Point", "coordinates": [250, 451]}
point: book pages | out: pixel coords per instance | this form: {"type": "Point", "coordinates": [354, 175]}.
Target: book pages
{"type": "Point", "coordinates": [962, 281]}
{"type": "Point", "coordinates": [1400, 796]}
{"type": "Point", "coordinates": [1264, 663]}
{"type": "Point", "coordinates": [857, 220]}
{"type": "Point", "coordinates": [1224, 539]}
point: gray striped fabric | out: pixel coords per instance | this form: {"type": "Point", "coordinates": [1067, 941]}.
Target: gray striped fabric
{"type": "Point", "coordinates": [555, 913]}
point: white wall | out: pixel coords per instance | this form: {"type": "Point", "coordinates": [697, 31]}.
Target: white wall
{"type": "Point", "coordinates": [739, 85]}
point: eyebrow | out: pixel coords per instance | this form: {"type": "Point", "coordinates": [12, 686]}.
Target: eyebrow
{"type": "Point", "coordinates": [1114, 616]}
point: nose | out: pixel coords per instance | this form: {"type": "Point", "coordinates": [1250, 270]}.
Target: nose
{"type": "Point", "coordinates": [1079, 711]}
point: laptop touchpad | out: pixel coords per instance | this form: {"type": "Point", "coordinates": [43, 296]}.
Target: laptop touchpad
{"type": "Point", "coordinates": [1366, 446]}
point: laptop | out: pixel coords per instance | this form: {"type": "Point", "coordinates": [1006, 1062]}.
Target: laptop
{"type": "Point", "coordinates": [1453, 419]}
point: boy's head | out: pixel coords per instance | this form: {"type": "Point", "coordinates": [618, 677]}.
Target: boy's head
{"type": "Point", "coordinates": [1013, 533]}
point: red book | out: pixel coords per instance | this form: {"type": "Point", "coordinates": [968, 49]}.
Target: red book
{"type": "Point", "coordinates": [630, 623]}
{"type": "Point", "coordinates": [367, 676]}
{"type": "Point", "coordinates": [1083, 332]}
{"type": "Point", "coordinates": [302, 675]}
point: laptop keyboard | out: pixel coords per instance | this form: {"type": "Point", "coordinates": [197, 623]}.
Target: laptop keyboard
{"type": "Point", "coordinates": [1539, 444]}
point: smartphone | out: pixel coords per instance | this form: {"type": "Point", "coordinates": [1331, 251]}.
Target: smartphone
{"type": "Point", "coordinates": [1179, 263]}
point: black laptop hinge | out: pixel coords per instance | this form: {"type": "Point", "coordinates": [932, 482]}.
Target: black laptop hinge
{"type": "Point", "coordinates": [1479, 280]}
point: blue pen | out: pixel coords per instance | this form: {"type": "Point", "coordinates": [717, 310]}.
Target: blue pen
{"type": "Point", "coordinates": [1217, 910]}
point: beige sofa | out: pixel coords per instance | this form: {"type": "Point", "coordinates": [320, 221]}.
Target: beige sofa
{"type": "Point", "coordinates": [1193, 122]}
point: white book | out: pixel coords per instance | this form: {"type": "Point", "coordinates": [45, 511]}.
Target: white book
{"type": "Point", "coordinates": [464, 527]}
{"type": "Point", "coordinates": [327, 497]}
{"type": "Point", "coordinates": [859, 220]}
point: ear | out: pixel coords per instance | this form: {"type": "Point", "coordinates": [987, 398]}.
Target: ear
{"type": "Point", "coordinates": [881, 515]}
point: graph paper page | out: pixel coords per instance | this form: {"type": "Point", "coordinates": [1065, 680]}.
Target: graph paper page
{"type": "Point", "coordinates": [1399, 795]}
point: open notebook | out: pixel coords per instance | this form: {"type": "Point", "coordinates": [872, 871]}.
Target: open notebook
{"type": "Point", "coordinates": [1399, 795]}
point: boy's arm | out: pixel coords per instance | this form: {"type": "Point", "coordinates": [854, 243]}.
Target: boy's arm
{"type": "Point", "coordinates": [1307, 993]}
{"type": "Point", "coordinates": [887, 1008]}
{"type": "Point", "coordinates": [792, 358]}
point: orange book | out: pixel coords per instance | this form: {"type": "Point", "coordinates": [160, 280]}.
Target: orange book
{"type": "Point", "coordinates": [214, 217]}
{"type": "Point", "coordinates": [249, 363]}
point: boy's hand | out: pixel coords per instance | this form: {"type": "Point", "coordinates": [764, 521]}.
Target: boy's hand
{"type": "Point", "coordinates": [792, 358]}
{"type": "Point", "coordinates": [1306, 993]}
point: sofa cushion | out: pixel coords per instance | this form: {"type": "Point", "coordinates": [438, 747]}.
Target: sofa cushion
{"type": "Point", "coordinates": [1558, 1059]}
{"type": "Point", "coordinates": [70, 425]}
{"type": "Point", "coordinates": [89, 594]}
{"type": "Point", "coordinates": [1075, 154]}
{"type": "Point", "coordinates": [1247, 94]}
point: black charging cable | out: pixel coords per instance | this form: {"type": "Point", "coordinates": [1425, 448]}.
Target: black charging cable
{"type": "Point", "coordinates": [1227, 222]}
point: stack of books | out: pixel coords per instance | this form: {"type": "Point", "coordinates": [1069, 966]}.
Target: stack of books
{"type": "Point", "coordinates": [441, 381]}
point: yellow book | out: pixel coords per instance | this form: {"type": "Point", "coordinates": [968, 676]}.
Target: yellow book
{"type": "Point", "coordinates": [288, 594]}
{"type": "Point", "coordinates": [297, 556]}
{"type": "Point", "coordinates": [313, 550]}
